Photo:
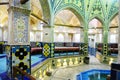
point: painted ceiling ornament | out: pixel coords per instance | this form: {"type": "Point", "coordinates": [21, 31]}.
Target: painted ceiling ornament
{"type": "Point", "coordinates": [23, 1]}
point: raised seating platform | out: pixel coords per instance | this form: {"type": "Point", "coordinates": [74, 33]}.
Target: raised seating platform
{"type": "Point", "coordinates": [112, 48]}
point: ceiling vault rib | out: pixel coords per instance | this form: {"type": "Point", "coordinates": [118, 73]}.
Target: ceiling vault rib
{"type": "Point", "coordinates": [38, 18]}
{"type": "Point", "coordinates": [67, 25]}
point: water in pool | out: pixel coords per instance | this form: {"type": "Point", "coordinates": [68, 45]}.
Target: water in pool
{"type": "Point", "coordinates": [94, 74]}
{"type": "Point", "coordinates": [97, 76]}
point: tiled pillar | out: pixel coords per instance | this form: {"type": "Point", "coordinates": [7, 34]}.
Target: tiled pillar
{"type": "Point", "coordinates": [105, 42]}
{"type": "Point", "coordinates": [85, 45]}
{"type": "Point", "coordinates": [18, 49]}
{"type": "Point", "coordinates": [48, 38]}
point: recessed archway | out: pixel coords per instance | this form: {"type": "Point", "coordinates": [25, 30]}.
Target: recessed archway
{"type": "Point", "coordinates": [113, 30]}
{"type": "Point", "coordinates": [94, 34]}
{"type": "Point", "coordinates": [36, 21]}
{"type": "Point", "coordinates": [3, 22]}
{"type": "Point", "coordinates": [68, 25]}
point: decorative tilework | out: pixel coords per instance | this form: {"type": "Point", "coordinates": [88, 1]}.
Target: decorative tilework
{"type": "Point", "coordinates": [46, 49]}
{"type": "Point", "coordinates": [86, 49]}
{"type": "Point", "coordinates": [7, 50]}
{"type": "Point", "coordinates": [81, 48]}
{"type": "Point", "coordinates": [21, 57]}
{"type": "Point", "coordinates": [52, 49]}
{"type": "Point", "coordinates": [18, 56]}
{"type": "Point", "coordinates": [21, 27]}
{"type": "Point", "coordinates": [105, 49]}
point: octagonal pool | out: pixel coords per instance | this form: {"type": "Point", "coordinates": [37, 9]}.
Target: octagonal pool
{"type": "Point", "coordinates": [93, 74]}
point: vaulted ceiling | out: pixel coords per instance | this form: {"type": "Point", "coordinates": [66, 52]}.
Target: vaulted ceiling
{"type": "Point", "coordinates": [3, 15]}
{"type": "Point", "coordinates": [88, 9]}
{"type": "Point", "coordinates": [66, 17]}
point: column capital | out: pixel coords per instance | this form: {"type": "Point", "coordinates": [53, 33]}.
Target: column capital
{"type": "Point", "coordinates": [17, 9]}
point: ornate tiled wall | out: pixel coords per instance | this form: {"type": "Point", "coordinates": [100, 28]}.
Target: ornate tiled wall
{"type": "Point", "coordinates": [48, 49]}
{"type": "Point", "coordinates": [19, 56]}
{"type": "Point", "coordinates": [81, 48]}
{"type": "Point", "coordinates": [21, 29]}
{"type": "Point", "coordinates": [18, 53]}
{"type": "Point", "coordinates": [86, 49]}
{"type": "Point", "coordinates": [19, 23]}
{"type": "Point", "coordinates": [52, 49]}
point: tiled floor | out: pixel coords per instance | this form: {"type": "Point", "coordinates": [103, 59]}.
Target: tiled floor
{"type": "Point", "coordinates": [71, 72]}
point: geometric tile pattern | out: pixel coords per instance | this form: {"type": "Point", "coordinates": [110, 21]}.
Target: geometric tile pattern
{"type": "Point", "coordinates": [105, 49]}
{"type": "Point", "coordinates": [19, 56]}
{"type": "Point", "coordinates": [20, 27]}
{"type": "Point", "coordinates": [85, 49]}
{"type": "Point", "coordinates": [46, 49]}
{"type": "Point", "coordinates": [81, 48]}
{"type": "Point", "coordinates": [52, 49]}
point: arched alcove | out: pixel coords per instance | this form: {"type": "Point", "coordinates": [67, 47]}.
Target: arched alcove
{"type": "Point", "coordinates": [113, 30]}
{"type": "Point", "coordinates": [95, 29]}
{"type": "Point", "coordinates": [68, 26]}
{"type": "Point", "coordinates": [94, 34]}
{"type": "Point", "coordinates": [3, 22]}
{"type": "Point", "coordinates": [36, 23]}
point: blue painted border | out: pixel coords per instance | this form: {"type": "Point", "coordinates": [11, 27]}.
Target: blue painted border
{"type": "Point", "coordinates": [84, 75]}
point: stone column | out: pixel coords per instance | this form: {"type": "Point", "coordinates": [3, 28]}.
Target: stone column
{"type": "Point", "coordinates": [18, 48]}
{"type": "Point", "coordinates": [85, 45]}
{"type": "Point", "coordinates": [48, 38]}
{"type": "Point", "coordinates": [105, 43]}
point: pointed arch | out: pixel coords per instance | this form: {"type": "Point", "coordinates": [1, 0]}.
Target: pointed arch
{"type": "Point", "coordinates": [73, 8]}
{"type": "Point", "coordinates": [112, 17]}
{"type": "Point", "coordinates": [97, 17]}
{"type": "Point", "coordinates": [46, 10]}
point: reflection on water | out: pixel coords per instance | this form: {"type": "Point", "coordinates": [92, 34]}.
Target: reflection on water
{"type": "Point", "coordinates": [97, 76]}
{"type": "Point", "coordinates": [94, 74]}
